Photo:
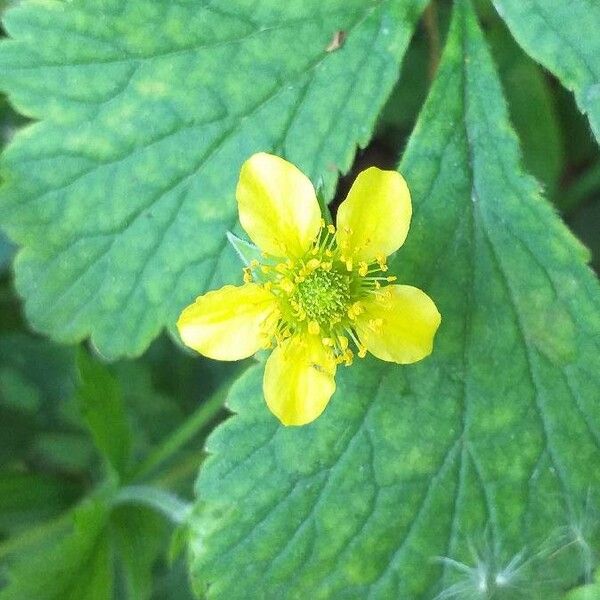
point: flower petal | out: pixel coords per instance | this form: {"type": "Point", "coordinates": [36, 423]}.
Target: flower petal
{"type": "Point", "coordinates": [299, 379]}
{"type": "Point", "coordinates": [374, 218]}
{"type": "Point", "coordinates": [230, 323]}
{"type": "Point", "coordinates": [400, 328]}
{"type": "Point", "coordinates": [278, 206]}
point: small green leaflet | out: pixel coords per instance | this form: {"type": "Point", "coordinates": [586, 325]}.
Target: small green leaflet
{"type": "Point", "coordinates": [562, 36]}
{"type": "Point", "coordinates": [100, 400]}
{"type": "Point", "coordinates": [122, 194]}
{"type": "Point", "coordinates": [480, 462]}
{"type": "Point", "coordinates": [76, 566]}
{"type": "Point", "coordinates": [75, 557]}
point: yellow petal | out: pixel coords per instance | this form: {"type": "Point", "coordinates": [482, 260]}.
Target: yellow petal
{"type": "Point", "coordinates": [400, 328]}
{"type": "Point", "coordinates": [373, 220]}
{"type": "Point", "coordinates": [230, 323]}
{"type": "Point", "coordinates": [278, 206]}
{"type": "Point", "coordinates": [299, 379]}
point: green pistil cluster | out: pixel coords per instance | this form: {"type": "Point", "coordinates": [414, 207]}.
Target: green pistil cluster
{"type": "Point", "coordinates": [323, 296]}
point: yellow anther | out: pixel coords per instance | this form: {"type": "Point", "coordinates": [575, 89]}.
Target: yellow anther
{"type": "Point", "coordinates": [322, 223]}
{"type": "Point", "coordinates": [327, 342]}
{"type": "Point", "coordinates": [254, 263]}
{"type": "Point", "coordinates": [355, 310]}
{"type": "Point", "coordinates": [348, 356]}
{"type": "Point", "coordinates": [281, 268]}
{"type": "Point", "coordinates": [313, 328]}
{"type": "Point", "coordinates": [328, 253]}
{"type": "Point", "coordinates": [348, 262]}
{"type": "Point", "coordinates": [286, 285]}
{"type": "Point", "coordinates": [265, 269]}
{"type": "Point", "coordinates": [375, 324]}
{"type": "Point", "coordinates": [331, 228]}
{"type": "Point", "coordinates": [313, 263]}
{"type": "Point", "coordinates": [343, 342]}
{"type": "Point", "coordinates": [362, 351]}
{"type": "Point", "coordinates": [363, 269]}
{"type": "Point", "coordinates": [247, 276]}
{"type": "Point", "coordinates": [326, 266]}
{"type": "Point", "coordinates": [391, 278]}
{"type": "Point", "coordinates": [381, 262]}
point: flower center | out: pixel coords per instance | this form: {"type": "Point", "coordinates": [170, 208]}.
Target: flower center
{"type": "Point", "coordinates": [323, 293]}
{"type": "Point", "coordinates": [323, 296]}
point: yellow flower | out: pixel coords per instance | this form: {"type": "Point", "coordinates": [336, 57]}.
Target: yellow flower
{"type": "Point", "coordinates": [320, 295]}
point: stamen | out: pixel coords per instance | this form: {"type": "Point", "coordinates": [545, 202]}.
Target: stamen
{"type": "Point", "coordinates": [343, 342]}
{"type": "Point", "coordinates": [313, 328]}
{"type": "Point", "coordinates": [286, 285]}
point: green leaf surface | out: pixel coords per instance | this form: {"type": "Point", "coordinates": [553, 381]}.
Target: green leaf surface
{"type": "Point", "coordinates": [563, 37]}
{"type": "Point", "coordinates": [122, 194]}
{"type": "Point", "coordinates": [7, 251]}
{"type": "Point", "coordinates": [36, 377]}
{"type": "Point", "coordinates": [139, 534]}
{"type": "Point", "coordinates": [27, 498]}
{"type": "Point", "coordinates": [586, 592]}
{"type": "Point", "coordinates": [101, 402]}
{"type": "Point", "coordinates": [76, 566]}
{"type": "Point", "coordinates": [472, 474]}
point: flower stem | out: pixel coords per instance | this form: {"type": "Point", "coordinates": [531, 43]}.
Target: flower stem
{"type": "Point", "coordinates": [205, 413]}
{"type": "Point", "coordinates": [165, 502]}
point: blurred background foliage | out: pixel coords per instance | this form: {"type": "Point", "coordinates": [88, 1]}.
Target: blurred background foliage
{"type": "Point", "coordinates": [79, 474]}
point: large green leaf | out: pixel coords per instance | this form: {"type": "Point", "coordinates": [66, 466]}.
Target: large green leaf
{"type": "Point", "coordinates": [562, 36]}
{"type": "Point", "coordinates": [484, 454]}
{"type": "Point", "coordinates": [122, 194]}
